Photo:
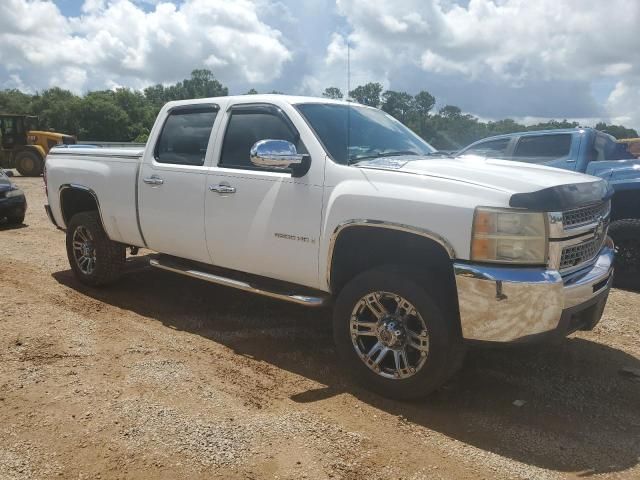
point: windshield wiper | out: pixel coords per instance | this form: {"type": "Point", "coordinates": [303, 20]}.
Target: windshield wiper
{"type": "Point", "coordinates": [396, 153]}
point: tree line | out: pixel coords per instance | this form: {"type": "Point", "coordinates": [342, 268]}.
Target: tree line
{"type": "Point", "coordinates": [127, 115]}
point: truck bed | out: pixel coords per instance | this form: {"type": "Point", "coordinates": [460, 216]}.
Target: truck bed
{"type": "Point", "coordinates": [111, 174]}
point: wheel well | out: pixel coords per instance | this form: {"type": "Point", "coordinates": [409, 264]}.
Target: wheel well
{"type": "Point", "coordinates": [625, 204]}
{"type": "Point", "coordinates": [360, 248]}
{"type": "Point", "coordinates": [76, 200]}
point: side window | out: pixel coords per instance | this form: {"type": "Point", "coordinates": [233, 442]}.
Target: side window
{"type": "Point", "coordinates": [185, 136]}
{"type": "Point", "coordinates": [246, 127]}
{"type": "Point", "coordinates": [542, 148]}
{"type": "Point", "coordinates": [492, 148]}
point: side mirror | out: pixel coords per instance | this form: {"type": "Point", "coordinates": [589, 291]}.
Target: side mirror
{"type": "Point", "coordinates": [275, 154]}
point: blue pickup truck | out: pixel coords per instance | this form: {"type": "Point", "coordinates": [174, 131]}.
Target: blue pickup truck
{"type": "Point", "coordinates": [589, 151]}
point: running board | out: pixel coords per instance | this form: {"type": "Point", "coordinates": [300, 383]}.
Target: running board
{"type": "Point", "coordinates": [187, 268]}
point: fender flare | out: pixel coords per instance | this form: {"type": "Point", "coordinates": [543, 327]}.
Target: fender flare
{"type": "Point", "coordinates": [82, 188]}
{"type": "Point", "coordinates": [422, 232]}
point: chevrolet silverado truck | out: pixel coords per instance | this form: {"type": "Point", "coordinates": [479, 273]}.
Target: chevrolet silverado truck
{"type": "Point", "coordinates": [590, 151]}
{"type": "Point", "coordinates": [321, 202]}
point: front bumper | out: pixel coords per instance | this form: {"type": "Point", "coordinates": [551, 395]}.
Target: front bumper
{"type": "Point", "coordinates": [515, 304]}
{"type": "Point", "coordinates": [13, 206]}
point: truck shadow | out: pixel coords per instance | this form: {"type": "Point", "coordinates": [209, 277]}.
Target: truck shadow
{"type": "Point", "coordinates": [580, 414]}
{"type": "Point", "coordinates": [4, 225]}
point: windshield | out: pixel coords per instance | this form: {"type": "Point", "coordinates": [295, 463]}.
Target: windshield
{"type": "Point", "coordinates": [353, 133]}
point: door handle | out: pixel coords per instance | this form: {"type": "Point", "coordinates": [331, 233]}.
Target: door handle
{"type": "Point", "coordinates": [222, 188]}
{"type": "Point", "coordinates": [153, 180]}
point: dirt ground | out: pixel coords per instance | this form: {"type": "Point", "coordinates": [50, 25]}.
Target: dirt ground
{"type": "Point", "coordinates": [163, 376]}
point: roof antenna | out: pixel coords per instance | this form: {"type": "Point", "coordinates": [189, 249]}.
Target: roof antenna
{"type": "Point", "coordinates": [348, 100]}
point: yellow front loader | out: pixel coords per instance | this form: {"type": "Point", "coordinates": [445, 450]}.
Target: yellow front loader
{"type": "Point", "coordinates": [25, 148]}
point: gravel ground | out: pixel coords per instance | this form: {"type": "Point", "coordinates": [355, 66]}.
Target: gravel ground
{"type": "Point", "coordinates": [162, 376]}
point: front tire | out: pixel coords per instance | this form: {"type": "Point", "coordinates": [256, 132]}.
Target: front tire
{"type": "Point", "coordinates": [94, 258]}
{"type": "Point", "coordinates": [29, 164]}
{"type": "Point", "coordinates": [394, 336]}
{"type": "Point", "coordinates": [626, 237]}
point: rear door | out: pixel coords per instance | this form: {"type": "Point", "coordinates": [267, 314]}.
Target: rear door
{"type": "Point", "coordinates": [171, 183]}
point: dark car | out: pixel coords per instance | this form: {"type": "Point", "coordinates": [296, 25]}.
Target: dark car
{"type": "Point", "coordinates": [13, 204]}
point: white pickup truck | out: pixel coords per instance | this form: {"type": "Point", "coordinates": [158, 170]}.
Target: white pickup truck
{"type": "Point", "coordinates": [322, 202]}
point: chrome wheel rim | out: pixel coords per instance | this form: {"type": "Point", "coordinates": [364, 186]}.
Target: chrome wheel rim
{"type": "Point", "coordinates": [84, 250]}
{"type": "Point", "coordinates": [389, 335]}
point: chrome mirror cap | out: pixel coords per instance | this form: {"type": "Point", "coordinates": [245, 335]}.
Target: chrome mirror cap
{"type": "Point", "coordinates": [278, 154]}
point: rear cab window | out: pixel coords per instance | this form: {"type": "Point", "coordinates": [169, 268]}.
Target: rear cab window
{"type": "Point", "coordinates": [605, 148]}
{"type": "Point", "coordinates": [543, 148]}
{"type": "Point", "coordinates": [185, 135]}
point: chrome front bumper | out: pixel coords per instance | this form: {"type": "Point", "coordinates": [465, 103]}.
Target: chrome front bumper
{"type": "Point", "coordinates": [510, 304]}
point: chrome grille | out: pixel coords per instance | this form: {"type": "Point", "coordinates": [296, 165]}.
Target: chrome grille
{"type": "Point", "coordinates": [585, 215]}
{"type": "Point", "coordinates": [583, 252]}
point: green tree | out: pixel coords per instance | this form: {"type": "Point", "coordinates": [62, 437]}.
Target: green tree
{"type": "Point", "coordinates": [617, 131]}
{"type": "Point", "coordinates": [57, 109]}
{"type": "Point", "coordinates": [14, 101]}
{"type": "Point", "coordinates": [423, 102]}
{"type": "Point", "coordinates": [202, 84]}
{"type": "Point", "coordinates": [553, 124]}
{"type": "Point", "coordinates": [450, 111]}
{"type": "Point", "coordinates": [333, 92]}
{"type": "Point", "coordinates": [368, 94]}
{"type": "Point", "coordinates": [128, 115]}
{"type": "Point", "coordinates": [505, 126]}
{"type": "Point", "coordinates": [102, 119]}
{"type": "Point", "coordinates": [398, 104]}
{"type": "Point", "coordinates": [140, 114]}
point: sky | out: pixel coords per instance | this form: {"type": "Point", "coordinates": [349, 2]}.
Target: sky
{"type": "Point", "coordinates": [522, 59]}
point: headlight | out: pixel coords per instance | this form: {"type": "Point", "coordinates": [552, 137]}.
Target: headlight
{"type": "Point", "coordinates": [508, 236]}
{"type": "Point", "coordinates": [14, 192]}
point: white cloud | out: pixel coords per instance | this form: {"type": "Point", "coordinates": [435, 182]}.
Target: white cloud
{"type": "Point", "coordinates": [118, 42]}
{"type": "Point", "coordinates": [497, 58]}
{"type": "Point", "coordinates": [623, 103]}
{"type": "Point", "coordinates": [513, 44]}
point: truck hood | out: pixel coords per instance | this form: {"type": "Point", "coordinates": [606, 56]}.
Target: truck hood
{"type": "Point", "coordinates": [531, 186]}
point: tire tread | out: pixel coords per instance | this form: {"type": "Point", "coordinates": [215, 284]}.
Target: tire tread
{"type": "Point", "coordinates": [112, 254]}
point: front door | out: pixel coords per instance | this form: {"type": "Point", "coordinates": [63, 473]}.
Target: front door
{"type": "Point", "coordinates": [257, 221]}
{"type": "Point", "coordinates": [172, 181]}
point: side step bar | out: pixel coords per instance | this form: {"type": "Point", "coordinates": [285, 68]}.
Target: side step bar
{"type": "Point", "coordinates": [186, 268]}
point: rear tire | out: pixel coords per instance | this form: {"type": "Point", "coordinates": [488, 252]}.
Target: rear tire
{"type": "Point", "coordinates": [626, 237]}
{"type": "Point", "coordinates": [94, 258]}
{"type": "Point", "coordinates": [409, 322]}
{"type": "Point", "coordinates": [29, 164]}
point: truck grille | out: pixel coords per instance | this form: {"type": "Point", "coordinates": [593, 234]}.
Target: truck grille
{"type": "Point", "coordinates": [580, 237]}
{"type": "Point", "coordinates": [585, 215]}
{"type": "Point", "coordinates": [583, 252]}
